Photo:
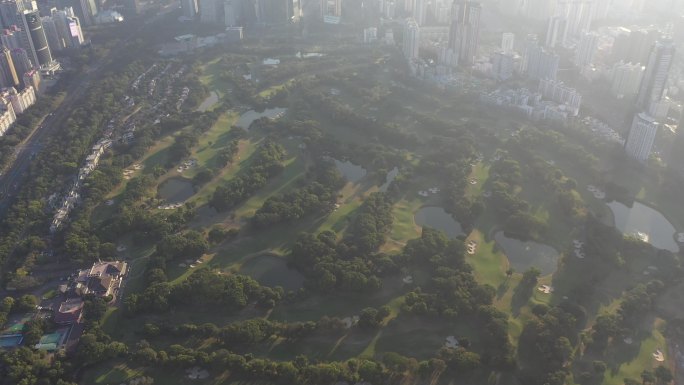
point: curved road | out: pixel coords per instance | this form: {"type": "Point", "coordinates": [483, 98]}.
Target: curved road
{"type": "Point", "coordinates": [11, 181]}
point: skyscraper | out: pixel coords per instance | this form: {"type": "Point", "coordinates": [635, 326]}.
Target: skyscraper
{"type": "Point", "coordinates": [655, 77]}
{"type": "Point", "coordinates": [507, 42]}
{"type": "Point", "coordinates": [9, 9]}
{"type": "Point", "coordinates": [208, 10]}
{"type": "Point", "coordinates": [22, 63]}
{"type": "Point", "coordinates": [537, 62]}
{"type": "Point", "coordinates": [232, 11]}
{"type": "Point", "coordinates": [8, 74]}
{"type": "Point", "coordinates": [34, 39]}
{"type": "Point", "coordinates": [586, 49]}
{"type": "Point", "coordinates": [464, 32]}
{"type": "Point", "coordinates": [626, 79]}
{"type": "Point", "coordinates": [54, 40]}
{"type": "Point", "coordinates": [189, 8]}
{"type": "Point", "coordinates": [420, 11]}
{"type": "Point", "coordinates": [502, 65]}
{"type": "Point", "coordinates": [85, 10]}
{"type": "Point", "coordinates": [332, 8]}
{"type": "Point", "coordinates": [11, 37]}
{"type": "Point", "coordinates": [641, 137]}
{"type": "Point", "coordinates": [411, 42]}
{"type": "Point", "coordinates": [276, 11]}
{"type": "Point", "coordinates": [556, 31]}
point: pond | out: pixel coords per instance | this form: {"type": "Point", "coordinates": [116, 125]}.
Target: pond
{"type": "Point", "coordinates": [176, 190]}
{"type": "Point", "coordinates": [523, 255]}
{"type": "Point", "coordinates": [270, 270]}
{"type": "Point", "coordinates": [643, 219]}
{"type": "Point", "coordinates": [439, 219]}
{"type": "Point", "coordinates": [250, 116]}
{"type": "Point", "coordinates": [389, 179]}
{"type": "Point", "coordinates": [351, 172]}
{"type": "Point", "coordinates": [209, 102]}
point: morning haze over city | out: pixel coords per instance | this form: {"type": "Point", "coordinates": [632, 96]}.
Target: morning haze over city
{"type": "Point", "coordinates": [341, 192]}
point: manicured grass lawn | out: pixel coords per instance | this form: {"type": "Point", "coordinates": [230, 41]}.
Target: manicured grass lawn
{"type": "Point", "coordinates": [295, 168]}
{"type": "Point", "coordinates": [480, 173]}
{"type": "Point", "coordinates": [404, 226]}
{"type": "Point", "coordinates": [211, 142]}
{"type": "Point", "coordinates": [242, 159]}
{"type": "Point", "coordinates": [628, 361]}
{"type": "Point", "coordinates": [108, 374]}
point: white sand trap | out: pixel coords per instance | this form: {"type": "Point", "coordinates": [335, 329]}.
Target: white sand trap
{"type": "Point", "coordinates": [451, 342]}
{"type": "Point", "coordinates": [658, 355]}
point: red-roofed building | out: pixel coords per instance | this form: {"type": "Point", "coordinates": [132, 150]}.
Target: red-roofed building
{"type": "Point", "coordinates": [70, 312]}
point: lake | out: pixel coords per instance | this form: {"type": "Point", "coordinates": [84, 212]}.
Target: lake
{"type": "Point", "coordinates": [351, 172]}
{"type": "Point", "coordinates": [644, 219]}
{"type": "Point", "coordinates": [176, 190]}
{"type": "Point", "coordinates": [250, 116]}
{"type": "Point", "coordinates": [439, 219]}
{"type": "Point", "coordinates": [270, 270]}
{"type": "Point", "coordinates": [523, 255]}
{"type": "Point", "coordinates": [209, 102]}
{"type": "Point", "coordinates": [389, 179]}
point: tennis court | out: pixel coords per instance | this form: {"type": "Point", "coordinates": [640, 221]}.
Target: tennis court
{"type": "Point", "coordinates": [16, 326]}
{"type": "Point", "coordinates": [10, 341]}
{"type": "Point", "coordinates": [52, 341]}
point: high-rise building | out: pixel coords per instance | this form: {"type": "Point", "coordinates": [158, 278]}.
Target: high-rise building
{"type": "Point", "coordinates": [68, 28]}
{"type": "Point", "coordinates": [11, 37]}
{"type": "Point", "coordinates": [464, 31]}
{"type": "Point", "coordinates": [641, 137]}
{"type": "Point", "coordinates": [332, 8]}
{"type": "Point", "coordinates": [370, 35]}
{"type": "Point", "coordinates": [420, 11]}
{"type": "Point", "coordinates": [537, 62]}
{"type": "Point", "coordinates": [621, 45]}
{"type": "Point", "coordinates": [34, 39]}
{"type": "Point", "coordinates": [32, 78]}
{"type": "Point", "coordinates": [655, 76]}
{"type": "Point", "coordinates": [640, 42]}
{"type": "Point", "coordinates": [8, 73]}
{"type": "Point", "coordinates": [22, 62]}
{"type": "Point", "coordinates": [560, 93]}
{"type": "Point", "coordinates": [75, 31]}
{"type": "Point", "coordinates": [411, 42]}
{"type": "Point", "coordinates": [578, 14]}
{"type": "Point", "coordinates": [625, 79]}
{"type": "Point", "coordinates": [54, 40]}
{"type": "Point", "coordinates": [507, 42]}
{"type": "Point", "coordinates": [232, 12]}
{"type": "Point", "coordinates": [208, 11]}
{"type": "Point", "coordinates": [537, 9]}
{"type": "Point", "coordinates": [586, 49]}
{"type": "Point", "coordinates": [189, 8]}
{"type": "Point", "coordinates": [277, 11]}
{"type": "Point", "coordinates": [556, 31]}
{"type": "Point", "coordinates": [502, 65]}
{"type": "Point", "coordinates": [7, 116]}
{"type": "Point", "coordinates": [85, 10]}
{"type": "Point", "coordinates": [8, 12]}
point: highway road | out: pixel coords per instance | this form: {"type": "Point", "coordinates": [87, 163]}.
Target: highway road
{"type": "Point", "coordinates": [12, 180]}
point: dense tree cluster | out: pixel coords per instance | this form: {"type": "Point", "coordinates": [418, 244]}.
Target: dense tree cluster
{"type": "Point", "coordinates": [266, 163]}
{"type": "Point", "coordinates": [518, 222]}
{"type": "Point", "coordinates": [635, 304]}
{"type": "Point", "coordinates": [317, 196]}
{"type": "Point", "coordinates": [546, 346]}
{"type": "Point", "coordinates": [453, 293]}
{"type": "Point", "coordinates": [203, 288]}
{"type": "Point", "coordinates": [350, 265]}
